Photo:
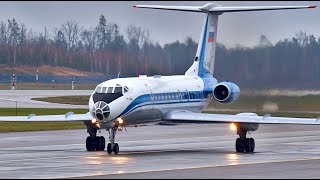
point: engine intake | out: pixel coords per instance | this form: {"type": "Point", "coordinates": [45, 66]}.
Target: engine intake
{"type": "Point", "coordinates": [226, 92]}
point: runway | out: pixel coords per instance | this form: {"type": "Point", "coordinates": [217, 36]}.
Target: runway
{"type": "Point", "coordinates": [8, 98]}
{"type": "Point", "coordinates": [180, 151]}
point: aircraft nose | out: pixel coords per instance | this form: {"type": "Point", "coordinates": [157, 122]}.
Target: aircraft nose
{"type": "Point", "coordinates": [101, 110]}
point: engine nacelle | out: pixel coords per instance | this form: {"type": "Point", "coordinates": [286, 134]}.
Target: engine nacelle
{"type": "Point", "coordinates": [226, 92]}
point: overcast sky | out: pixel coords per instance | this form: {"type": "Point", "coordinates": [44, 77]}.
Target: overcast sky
{"type": "Point", "coordinates": [167, 26]}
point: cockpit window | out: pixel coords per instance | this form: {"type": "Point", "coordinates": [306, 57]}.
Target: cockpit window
{"type": "Point", "coordinates": [98, 89]}
{"type": "Point", "coordinates": [110, 90]}
{"type": "Point", "coordinates": [118, 90]}
{"type": "Point", "coordinates": [104, 90]}
{"type": "Point", "coordinates": [125, 89]}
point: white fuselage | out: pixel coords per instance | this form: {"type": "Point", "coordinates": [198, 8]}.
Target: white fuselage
{"type": "Point", "coordinates": [150, 98]}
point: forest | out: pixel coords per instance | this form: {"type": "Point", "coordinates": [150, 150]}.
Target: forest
{"type": "Point", "coordinates": [289, 63]}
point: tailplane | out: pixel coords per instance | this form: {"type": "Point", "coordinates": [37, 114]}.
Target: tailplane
{"type": "Point", "coordinates": [204, 61]}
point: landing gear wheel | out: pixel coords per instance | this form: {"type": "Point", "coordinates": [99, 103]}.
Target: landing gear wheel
{"type": "Point", "coordinates": [100, 143]}
{"type": "Point", "coordinates": [239, 145]}
{"type": "Point", "coordinates": [109, 148]}
{"type": "Point", "coordinates": [89, 144]}
{"type": "Point", "coordinates": [249, 145]}
{"type": "Point", "coordinates": [116, 148]}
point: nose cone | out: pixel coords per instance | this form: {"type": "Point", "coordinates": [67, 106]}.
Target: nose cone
{"type": "Point", "coordinates": [101, 110]}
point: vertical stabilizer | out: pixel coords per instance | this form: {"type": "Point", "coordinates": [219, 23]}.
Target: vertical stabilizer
{"type": "Point", "coordinates": [205, 56]}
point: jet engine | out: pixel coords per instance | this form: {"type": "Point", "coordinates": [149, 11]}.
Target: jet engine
{"type": "Point", "coordinates": [226, 92]}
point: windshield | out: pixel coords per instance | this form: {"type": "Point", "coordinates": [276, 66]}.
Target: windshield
{"type": "Point", "coordinates": [109, 94]}
{"type": "Point", "coordinates": [112, 90]}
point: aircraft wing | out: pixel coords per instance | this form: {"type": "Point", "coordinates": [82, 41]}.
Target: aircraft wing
{"type": "Point", "coordinates": [46, 118]}
{"type": "Point", "coordinates": [188, 116]}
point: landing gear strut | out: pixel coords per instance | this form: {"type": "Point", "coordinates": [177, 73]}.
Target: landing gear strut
{"type": "Point", "coordinates": [112, 146]}
{"type": "Point", "coordinates": [244, 144]}
{"type": "Point", "coordinates": [94, 142]}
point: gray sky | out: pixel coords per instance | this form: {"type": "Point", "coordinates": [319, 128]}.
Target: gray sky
{"type": "Point", "coordinates": [167, 26]}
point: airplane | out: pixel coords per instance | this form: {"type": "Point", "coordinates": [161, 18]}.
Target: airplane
{"type": "Point", "coordinates": [179, 98]}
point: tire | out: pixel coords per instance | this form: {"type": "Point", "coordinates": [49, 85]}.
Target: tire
{"type": "Point", "coordinates": [116, 148]}
{"type": "Point", "coordinates": [239, 145]}
{"type": "Point", "coordinates": [249, 145]}
{"type": "Point", "coordinates": [253, 144]}
{"type": "Point", "coordinates": [100, 143]}
{"type": "Point", "coordinates": [103, 143]}
{"type": "Point", "coordinates": [89, 144]}
{"type": "Point", "coordinates": [109, 148]}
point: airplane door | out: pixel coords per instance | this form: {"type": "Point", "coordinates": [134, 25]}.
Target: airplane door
{"type": "Point", "coordinates": [202, 99]}
{"type": "Point", "coordinates": [151, 95]}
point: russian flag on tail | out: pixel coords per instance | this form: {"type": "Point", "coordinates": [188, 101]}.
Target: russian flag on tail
{"type": "Point", "coordinates": [211, 37]}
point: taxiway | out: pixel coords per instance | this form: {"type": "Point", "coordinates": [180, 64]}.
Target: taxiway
{"type": "Point", "coordinates": [154, 151]}
{"type": "Point", "coordinates": [8, 98]}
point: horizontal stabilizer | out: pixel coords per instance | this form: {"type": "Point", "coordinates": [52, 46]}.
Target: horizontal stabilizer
{"type": "Point", "coordinates": [256, 8]}
{"type": "Point", "coordinates": [175, 8]}
{"type": "Point", "coordinates": [214, 8]}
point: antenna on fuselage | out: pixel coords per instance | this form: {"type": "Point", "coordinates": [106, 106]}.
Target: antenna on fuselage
{"type": "Point", "coordinates": [118, 74]}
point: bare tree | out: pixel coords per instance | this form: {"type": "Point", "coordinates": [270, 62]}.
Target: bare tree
{"type": "Point", "coordinates": [14, 34]}
{"type": "Point", "coordinates": [71, 31]}
{"type": "Point", "coordinates": [3, 33]}
{"type": "Point", "coordinates": [89, 37]}
{"type": "Point", "coordinates": [137, 34]}
{"type": "Point", "coordinates": [264, 41]}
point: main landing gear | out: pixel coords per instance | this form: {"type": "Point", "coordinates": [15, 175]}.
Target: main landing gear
{"type": "Point", "coordinates": [244, 144]}
{"type": "Point", "coordinates": [94, 142]}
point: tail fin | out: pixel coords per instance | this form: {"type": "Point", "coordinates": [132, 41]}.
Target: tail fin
{"type": "Point", "coordinates": [205, 56]}
{"type": "Point", "coordinates": [203, 65]}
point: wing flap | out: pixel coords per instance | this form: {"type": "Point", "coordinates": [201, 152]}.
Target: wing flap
{"type": "Point", "coordinates": [47, 118]}
{"type": "Point", "coordinates": [187, 116]}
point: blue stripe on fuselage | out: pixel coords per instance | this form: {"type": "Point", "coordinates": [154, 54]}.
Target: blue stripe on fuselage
{"type": "Point", "coordinates": [171, 98]}
{"type": "Point", "coordinates": [202, 71]}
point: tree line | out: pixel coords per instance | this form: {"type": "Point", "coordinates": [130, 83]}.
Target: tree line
{"type": "Point", "coordinates": [103, 48]}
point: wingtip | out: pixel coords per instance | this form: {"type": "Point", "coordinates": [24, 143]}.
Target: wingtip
{"type": "Point", "coordinates": [312, 6]}
{"type": "Point", "coordinates": [134, 6]}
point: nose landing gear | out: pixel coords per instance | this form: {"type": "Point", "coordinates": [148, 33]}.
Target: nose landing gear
{"type": "Point", "coordinates": [112, 146]}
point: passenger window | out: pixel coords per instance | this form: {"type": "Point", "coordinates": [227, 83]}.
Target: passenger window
{"type": "Point", "coordinates": [110, 90]}
{"type": "Point", "coordinates": [118, 90]}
